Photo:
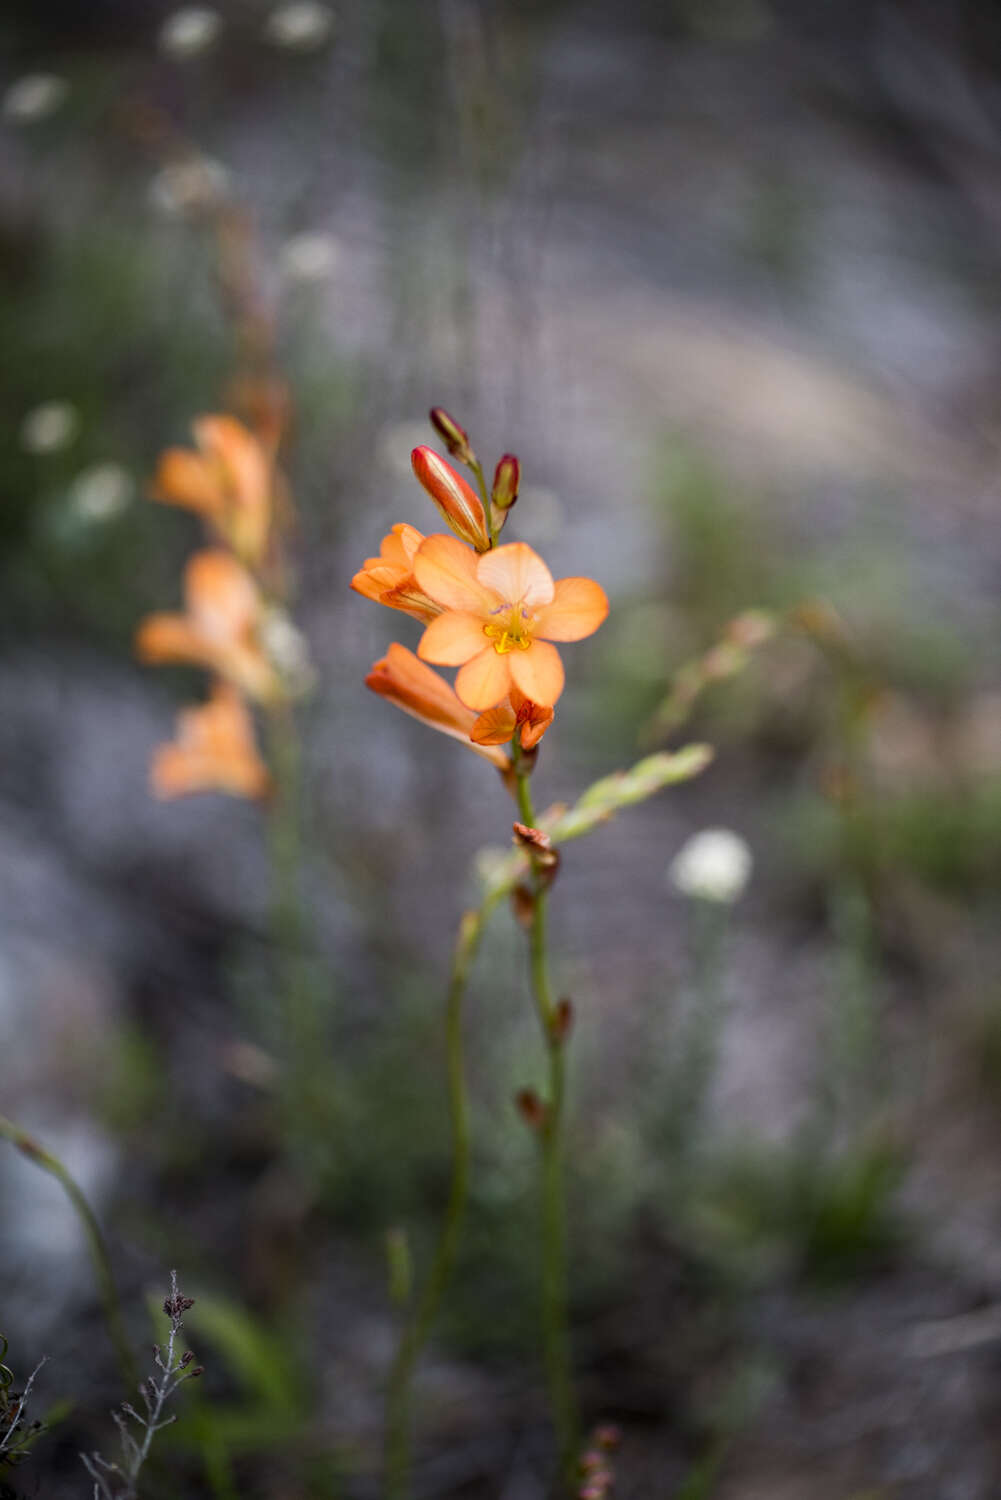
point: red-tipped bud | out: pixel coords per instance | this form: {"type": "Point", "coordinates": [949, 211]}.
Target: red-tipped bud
{"type": "Point", "coordinates": [531, 1108]}
{"type": "Point", "coordinates": [507, 477]}
{"type": "Point", "coordinates": [455, 438]}
{"type": "Point", "coordinates": [562, 1020]}
{"type": "Point", "coordinates": [460, 506]}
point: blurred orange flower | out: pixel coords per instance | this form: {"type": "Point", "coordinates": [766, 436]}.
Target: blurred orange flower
{"type": "Point", "coordinates": [501, 612]}
{"type": "Point", "coordinates": [218, 629]}
{"type": "Point", "coordinates": [420, 692]}
{"type": "Point", "coordinates": [389, 578]}
{"type": "Point", "coordinates": [230, 481]}
{"type": "Point", "coordinates": [214, 750]}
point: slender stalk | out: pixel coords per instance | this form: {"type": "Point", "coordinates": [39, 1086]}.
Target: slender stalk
{"type": "Point", "coordinates": [399, 1400]}
{"type": "Point", "coordinates": [477, 469]}
{"type": "Point", "coordinates": [100, 1259]}
{"type": "Point", "coordinates": [555, 1300]}
{"type": "Point", "coordinates": [288, 925]}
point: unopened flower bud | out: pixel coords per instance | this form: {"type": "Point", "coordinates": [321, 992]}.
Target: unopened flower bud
{"type": "Point", "coordinates": [545, 858]}
{"type": "Point", "coordinates": [455, 438]}
{"type": "Point", "coordinates": [460, 506]}
{"type": "Point", "coordinates": [507, 477]}
{"type": "Point", "coordinates": [562, 1019]}
{"type": "Point", "coordinates": [531, 1108]}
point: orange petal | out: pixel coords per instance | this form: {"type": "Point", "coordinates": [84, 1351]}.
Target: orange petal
{"type": "Point", "coordinates": [170, 638]}
{"type": "Point", "coordinates": [399, 546]}
{"type": "Point", "coordinates": [184, 478]}
{"type": "Point", "coordinates": [425, 695]}
{"type": "Point", "coordinates": [538, 672]}
{"type": "Point", "coordinates": [578, 608]}
{"type": "Point", "coordinates": [486, 679]}
{"type": "Point", "coordinates": [517, 574]}
{"type": "Point", "coordinates": [452, 638]}
{"type": "Point", "coordinates": [445, 568]}
{"type": "Point", "coordinates": [221, 595]}
{"type": "Point", "coordinates": [496, 726]}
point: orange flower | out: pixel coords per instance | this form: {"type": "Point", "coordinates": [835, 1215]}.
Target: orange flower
{"type": "Point", "coordinates": [516, 715]}
{"type": "Point", "coordinates": [460, 505]}
{"type": "Point", "coordinates": [230, 481]}
{"type": "Point", "coordinates": [389, 578]}
{"type": "Point", "coordinates": [420, 692]}
{"type": "Point", "coordinates": [502, 610]}
{"type": "Point", "coordinates": [218, 629]}
{"type": "Point", "coordinates": [214, 751]}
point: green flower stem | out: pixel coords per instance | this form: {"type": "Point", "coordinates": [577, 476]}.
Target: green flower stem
{"type": "Point", "coordinates": [477, 469]}
{"type": "Point", "coordinates": [288, 923]}
{"type": "Point", "coordinates": [399, 1402]}
{"type": "Point", "coordinates": [100, 1259]}
{"type": "Point", "coordinates": [555, 1300]}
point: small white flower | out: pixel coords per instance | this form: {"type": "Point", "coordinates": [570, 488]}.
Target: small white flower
{"type": "Point", "coordinates": [288, 650]}
{"type": "Point", "coordinates": [301, 25]}
{"type": "Point", "coordinates": [49, 427]}
{"type": "Point", "coordinates": [33, 97]}
{"type": "Point", "coordinates": [189, 31]}
{"type": "Point", "coordinates": [309, 257]}
{"type": "Point", "coordinates": [187, 186]}
{"type": "Point", "coordinates": [101, 492]}
{"type": "Point", "coordinates": [714, 865]}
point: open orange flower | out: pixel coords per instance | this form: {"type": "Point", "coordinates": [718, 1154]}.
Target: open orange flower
{"type": "Point", "coordinates": [389, 578]}
{"type": "Point", "coordinates": [218, 629]}
{"type": "Point", "coordinates": [420, 692]}
{"type": "Point", "coordinates": [502, 611]}
{"type": "Point", "coordinates": [214, 750]}
{"type": "Point", "coordinates": [229, 481]}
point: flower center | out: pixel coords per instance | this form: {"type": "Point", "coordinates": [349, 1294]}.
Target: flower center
{"type": "Point", "coordinates": [514, 633]}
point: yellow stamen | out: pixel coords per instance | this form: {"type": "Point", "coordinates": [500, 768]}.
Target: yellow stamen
{"type": "Point", "coordinates": [506, 638]}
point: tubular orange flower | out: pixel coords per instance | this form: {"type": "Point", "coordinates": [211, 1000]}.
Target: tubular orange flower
{"type": "Point", "coordinates": [517, 715]}
{"type": "Point", "coordinates": [389, 578]}
{"type": "Point", "coordinates": [218, 629]}
{"type": "Point", "coordinates": [460, 505]}
{"type": "Point", "coordinates": [502, 610]}
{"type": "Point", "coordinates": [420, 692]}
{"type": "Point", "coordinates": [214, 750]}
{"type": "Point", "coordinates": [229, 481]}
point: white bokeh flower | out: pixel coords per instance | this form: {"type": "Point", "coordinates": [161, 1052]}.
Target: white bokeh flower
{"type": "Point", "coordinates": [288, 650]}
{"type": "Point", "coordinates": [33, 97]}
{"type": "Point", "coordinates": [713, 865]}
{"type": "Point", "coordinates": [300, 26]}
{"type": "Point", "coordinates": [49, 427]}
{"type": "Point", "coordinates": [189, 186]}
{"type": "Point", "coordinates": [101, 492]}
{"type": "Point", "coordinates": [309, 257]}
{"type": "Point", "coordinates": [189, 31]}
